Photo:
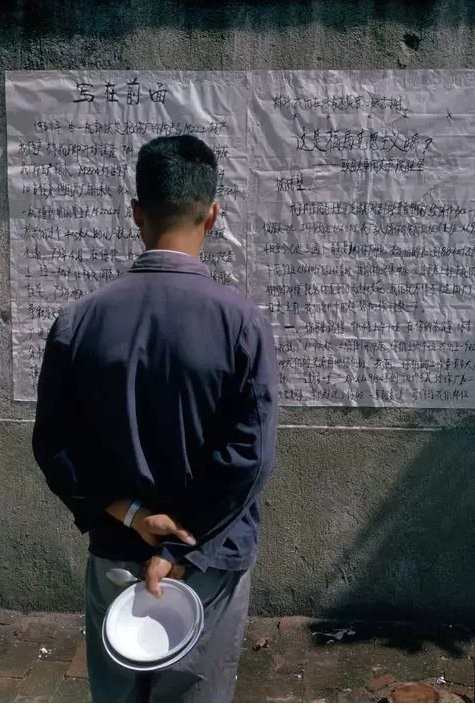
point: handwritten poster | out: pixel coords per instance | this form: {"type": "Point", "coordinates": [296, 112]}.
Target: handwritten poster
{"type": "Point", "coordinates": [362, 234]}
{"type": "Point", "coordinates": [348, 215]}
{"type": "Point", "coordinates": [73, 140]}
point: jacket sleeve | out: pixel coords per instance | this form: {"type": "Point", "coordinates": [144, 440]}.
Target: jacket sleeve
{"type": "Point", "coordinates": [243, 457]}
{"type": "Point", "coordinates": [54, 425]}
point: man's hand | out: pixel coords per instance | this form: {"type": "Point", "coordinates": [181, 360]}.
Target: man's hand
{"type": "Point", "coordinates": [158, 568]}
{"type": "Point", "coordinates": [138, 524]}
{"type": "Point", "coordinates": [149, 526]}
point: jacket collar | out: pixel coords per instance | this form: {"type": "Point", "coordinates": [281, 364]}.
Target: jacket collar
{"type": "Point", "coordinates": [156, 261]}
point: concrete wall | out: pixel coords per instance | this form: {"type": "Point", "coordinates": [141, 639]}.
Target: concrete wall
{"type": "Point", "coordinates": [375, 518]}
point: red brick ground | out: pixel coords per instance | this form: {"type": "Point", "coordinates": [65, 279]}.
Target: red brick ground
{"type": "Point", "coordinates": [41, 658]}
{"type": "Point", "coordinates": [292, 659]}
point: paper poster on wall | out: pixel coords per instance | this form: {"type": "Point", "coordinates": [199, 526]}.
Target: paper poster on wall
{"type": "Point", "coordinates": [348, 215]}
{"type": "Point", "coordinates": [73, 139]}
{"type": "Point", "coordinates": [361, 239]}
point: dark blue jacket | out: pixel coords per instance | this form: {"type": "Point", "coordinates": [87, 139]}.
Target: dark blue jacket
{"type": "Point", "coordinates": [161, 386]}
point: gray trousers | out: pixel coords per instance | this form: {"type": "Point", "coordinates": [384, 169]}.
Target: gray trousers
{"type": "Point", "coordinates": [206, 674]}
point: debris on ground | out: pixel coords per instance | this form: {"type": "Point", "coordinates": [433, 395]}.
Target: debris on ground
{"type": "Point", "coordinates": [338, 635]}
{"type": "Point", "coordinates": [418, 692]}
{"type": "Point", "coordinates": [414, 693]}
{"type": "Point", "coordinates": [261, 644]}
{"type": "Point", "coordinates": [44, 652]}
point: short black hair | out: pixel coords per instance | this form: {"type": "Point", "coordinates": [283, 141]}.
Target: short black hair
{"type": "Point", "coordinates": [176, 179]}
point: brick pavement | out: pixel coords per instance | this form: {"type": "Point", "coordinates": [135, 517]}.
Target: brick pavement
{"type": "Point", "coordinates": [290, 659]}
{"type": "Point", "coordinates": [42, 658]}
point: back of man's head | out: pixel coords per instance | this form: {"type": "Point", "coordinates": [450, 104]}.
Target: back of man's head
{"type": "Point", "coordinates": [176, 179]}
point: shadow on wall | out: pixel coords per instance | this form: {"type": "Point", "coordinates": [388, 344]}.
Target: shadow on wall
{"type": "Point", "coordinates": [416, 556]}
{"type": "Point", "coordinates": [118, 17]}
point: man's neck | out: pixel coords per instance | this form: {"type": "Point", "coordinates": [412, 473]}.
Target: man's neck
{"type": "Point", "coordinates": [186, 240]}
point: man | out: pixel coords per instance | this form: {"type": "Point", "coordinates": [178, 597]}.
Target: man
{"type": "Point", "coordinates": [156, 427]}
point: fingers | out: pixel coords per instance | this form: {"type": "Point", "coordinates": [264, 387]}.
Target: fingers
{"type": "Point", "coordinates": [184, 535]}
{"type": "Point", "coordinates": [157, 569]}
{"type": "Point", "coordinates": [164, 525]}
{"type": "Point", "coordinates": [177, 572]}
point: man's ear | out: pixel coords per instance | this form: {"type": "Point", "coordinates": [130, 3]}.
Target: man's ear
{"type": "Point", "coordinates": [137, 213]}
{"type": "Point", "coordinates": [211, 217]}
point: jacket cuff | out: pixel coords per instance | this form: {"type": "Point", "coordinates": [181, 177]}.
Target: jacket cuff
{"type": "Point", "coordinates": [88, 512]}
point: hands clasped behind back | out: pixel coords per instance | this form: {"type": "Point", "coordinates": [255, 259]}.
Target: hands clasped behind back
{"type": "Point", "coordinates": [150, 528]}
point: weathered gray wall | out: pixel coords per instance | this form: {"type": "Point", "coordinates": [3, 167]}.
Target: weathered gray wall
{"type": "Point", "coordinates": [375, 518]}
